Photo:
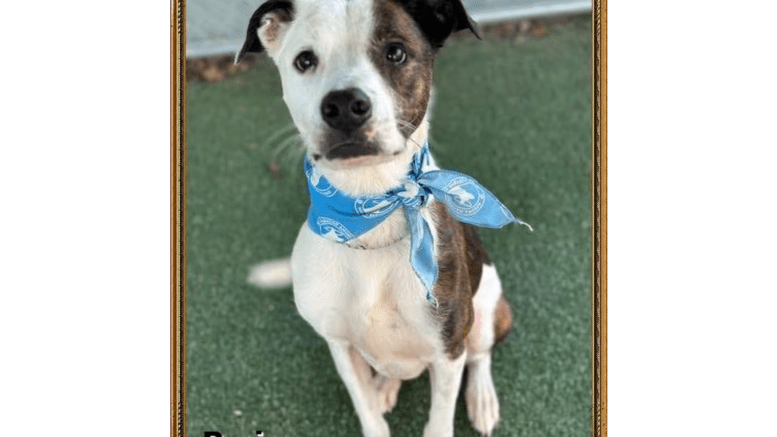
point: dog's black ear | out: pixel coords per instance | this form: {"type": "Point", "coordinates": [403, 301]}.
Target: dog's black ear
{"type": "Point", "coordinates": [253, 44]}
{"type": "Point", "coordinates": [438, 19]}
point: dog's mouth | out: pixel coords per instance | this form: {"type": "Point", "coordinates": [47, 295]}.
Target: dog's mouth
{"type": "Point", "coordinates": [356, 149]}
{"type": "Point", "coordinates": [352, 149]}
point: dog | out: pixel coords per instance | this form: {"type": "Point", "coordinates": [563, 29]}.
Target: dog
{"type": "Point", "coordinates": [357, 79]}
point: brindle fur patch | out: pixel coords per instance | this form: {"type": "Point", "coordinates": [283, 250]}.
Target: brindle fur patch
{"type": "Point", "coordinates": [274, 22]}
{"type": "Point", "coordinates": [503, 320]}
{"type": "Point", "coordinates": [460, 259]}
{"type": "Point", "coordinates": [412, 80]}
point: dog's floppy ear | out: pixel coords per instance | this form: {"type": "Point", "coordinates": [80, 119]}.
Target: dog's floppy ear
{"type": "Point", "coordinates": [438, 19]}
{"type": "Point", "coordinates": [269, 19]}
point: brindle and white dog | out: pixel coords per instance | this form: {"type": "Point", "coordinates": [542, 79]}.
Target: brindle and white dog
{"type": "Point", "coordinates": [357, 78]}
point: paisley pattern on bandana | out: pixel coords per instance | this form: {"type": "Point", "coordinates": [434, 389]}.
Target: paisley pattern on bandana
{"type": "Point", "coordinates": [342, 218]}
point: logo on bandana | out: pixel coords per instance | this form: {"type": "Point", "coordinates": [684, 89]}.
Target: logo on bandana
{"type": "Point", "coordinates": [463, 196]}
{"type": "Point", "coordinates": [322, 186]}
{"type": "Point", "coordinates": [333, 230]}
{"type": "Point", "coordinates": [371, 207]}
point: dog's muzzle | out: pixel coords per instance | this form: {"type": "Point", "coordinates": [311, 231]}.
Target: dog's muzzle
{"type": "Point", "coordinates": [345, 111]}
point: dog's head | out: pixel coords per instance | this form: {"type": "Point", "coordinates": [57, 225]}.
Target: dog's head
{"type": "Point", "coordinates": [356, 74]}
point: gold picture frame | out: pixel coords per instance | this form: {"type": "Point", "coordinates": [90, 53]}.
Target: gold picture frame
{"type": "Point", "coordinates": [178, 219]}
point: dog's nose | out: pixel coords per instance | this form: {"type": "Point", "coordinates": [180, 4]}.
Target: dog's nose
{"type": "Point", "coordinates": [346, 110]}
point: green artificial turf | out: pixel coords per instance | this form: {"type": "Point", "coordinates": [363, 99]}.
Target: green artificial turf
{"type": "Point", "coordinates": [514, 115]}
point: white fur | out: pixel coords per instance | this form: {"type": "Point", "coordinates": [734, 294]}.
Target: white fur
{"type": "Point", "coordinates": [445, 376]}
{"type": "Point", "coordinates": [271, 274]}
{"type": "Point", "coordinates": [355, 373]}
{"type": "Point", "coordinates": [368, 304]}
{"type": "Point", "coordinates": [343, 294]}
{"type": "Point", "coordinates": [370, 299]}
{"type": "Point", "coordinates": [481, 336]}
{"type": "Point", "coordinates": [482, 403]}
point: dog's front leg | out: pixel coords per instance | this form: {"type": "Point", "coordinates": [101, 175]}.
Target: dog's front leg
{"type": "Point", "coordinates": [445, 376]}
{"type": "Point", "coordinates": [357, 376]}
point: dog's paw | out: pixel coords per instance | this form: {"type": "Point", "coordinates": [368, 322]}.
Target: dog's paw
{"type": "Point", "coordinates": [376, 428]}
{"type": "Point", "coordinates": [388, 391]}
{"type": "Point", "coordinates": [482, 403]}
{"type": "Point", "coordinates": [438, 430]}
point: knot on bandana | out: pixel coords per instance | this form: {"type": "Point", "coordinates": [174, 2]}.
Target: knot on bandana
{"type": "Point", "coordinates": [341, 218]}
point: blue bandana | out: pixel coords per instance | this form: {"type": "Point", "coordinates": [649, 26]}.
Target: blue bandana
{"type": "Point", "coordinates": [341, 218]}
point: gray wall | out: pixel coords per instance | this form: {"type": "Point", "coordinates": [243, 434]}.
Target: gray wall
{"type": "Point", "coordinates": [217, 27]}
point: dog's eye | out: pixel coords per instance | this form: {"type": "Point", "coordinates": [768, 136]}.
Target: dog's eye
{"type": "Point", "coordinates": [396, 54]}
{"type": "Point", "coordinates": [305, 61]}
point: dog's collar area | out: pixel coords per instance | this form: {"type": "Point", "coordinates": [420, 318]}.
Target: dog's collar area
{"type": "Point", "coordinates": [343, 218]}
{"type": "Point", "coordinates": [360, 246]}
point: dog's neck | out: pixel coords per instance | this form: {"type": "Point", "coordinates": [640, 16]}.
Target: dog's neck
{"type": "Point", "coordinates": [376, 180]}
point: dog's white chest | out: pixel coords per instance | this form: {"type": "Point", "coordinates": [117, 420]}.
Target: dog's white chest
{"type": "Point", "coordinates": [369, 298]}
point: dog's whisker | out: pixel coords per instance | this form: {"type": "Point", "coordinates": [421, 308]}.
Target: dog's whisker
{"type": "Point", "coordinates": [285, 145]}
{"type": "Point", "coordinates": [413, 128]}
{"type": "Point", "coordinates": [279, 133]}
{"type": "Point", "coordinates": [293, 155]}
{"type": "Point", "coordinates": [407, 124]}
{"type": "Point", "coordinates": [286, 153]}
